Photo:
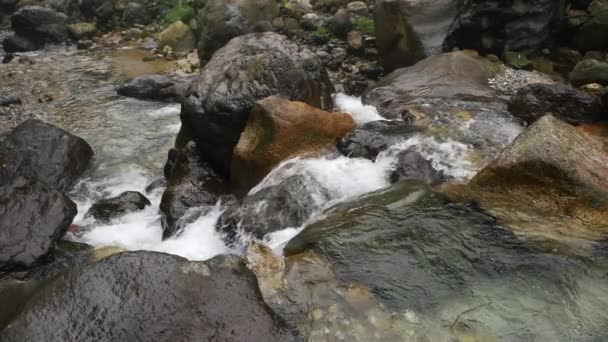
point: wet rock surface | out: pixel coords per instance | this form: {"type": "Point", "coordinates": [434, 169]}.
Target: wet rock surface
{"type": "Point", "coordinates": [37, 26]}
{"type": "Point", "coordinates": [110, 208]}
{"type": "Point", "coordinates": [151, 296]}
{"type": "Point", "coordinates": [287, 204]}
{"type": "Point", "coordinates": [279, 129]}
{"type": "Point", "coordinates": [190, 183]}
{"type": "Point", "coordinates": [155, 87]}
{"type": "Point", "coordinates": [247, 69]}
{"type": "Point", "coordinates": [32, 218]}
{"type": "Point", "coordinates": [566, 103]}
{"type": "Point", "coordinates": [368, 140]}
{"type": "Point", "coordinates": [44, 152]}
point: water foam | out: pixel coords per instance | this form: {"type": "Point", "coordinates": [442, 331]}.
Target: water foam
{"type": "Point", "coordinates": [361, 113]}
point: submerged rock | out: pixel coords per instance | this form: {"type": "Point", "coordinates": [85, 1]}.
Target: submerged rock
{"type": "Point", "coordinates": [279, 129]}
{"type": "Point", "coordinates": [110, 208]}
{"type": "Point", "coordinates": [221, 20]}
{"type": "Point", "coordinates": [151, 297]}
{"type": "Point", "coordinates": [407, 31]}
{"type": "Point", "coordinates": [32, 218]}
{"type": "Point", "coordinates": [190, 183]}
{"type": "Point", "coordinates": [368, 140]}
{"type": "Point", "coordinates": [41, 151]}
{"type": "Point", "coordinates": [287, 204]}
{"type": "Point", "coordinates": [412, 165]}
{"type": "Point", "coordinates": [249, 68]}
{"type": "Point", "coordinates": [498, 26]}
{"type": "Point", "coordinates": [429, 262]}
{"type": "Point", "coordinates": [564, 102]}
{"type": "Point", "coordinates": [155, 87]}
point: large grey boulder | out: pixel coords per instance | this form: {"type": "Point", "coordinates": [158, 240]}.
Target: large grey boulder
{"type": "Point", "coordinates": [147, 296]}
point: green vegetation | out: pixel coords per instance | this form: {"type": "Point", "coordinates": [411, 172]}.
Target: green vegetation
{"type": "Point", "coordinates": [181, 11]}
{"type": "Point", "coordinates": [322, 35]}
{"type": "Point", "coordinates": [365, 25]}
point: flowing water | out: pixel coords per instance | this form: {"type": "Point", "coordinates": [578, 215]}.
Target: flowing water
{"type": "Point", "coordinates": [434, 270]}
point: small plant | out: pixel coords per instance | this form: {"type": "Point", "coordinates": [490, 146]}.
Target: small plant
{"type": "Point", "coordinates": [365, 25]}
{"type": "Point", "coordinates": [322, 35]}
{"type": "Point", "coordinates": [180, 11]}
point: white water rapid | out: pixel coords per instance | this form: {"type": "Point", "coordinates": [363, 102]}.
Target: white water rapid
{"type": "Point", "coordinates": [342, 177]}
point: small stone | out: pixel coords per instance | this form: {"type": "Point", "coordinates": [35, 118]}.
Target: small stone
{"type": "Point", "coordinates": [82, 30]}
{"type": "Point", "coordinates": [358, 8]}
{"type": "Point", "coordinates": [312, 21]}
{"type": "Point", "coordinates": [278, 23]}
{"type": "Point", "coordinates": [355, 40]}
{"type": "Point", "coordinates": [593, 89]}
{"type": "Point", "coordinates": [516, 60]}
{"type": "Point", "coordinates": [84, 44]}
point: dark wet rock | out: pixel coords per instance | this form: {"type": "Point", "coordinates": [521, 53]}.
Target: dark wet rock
{"type": "Point", "coordinates": [102, 10]}
{"type": "Point", "coordinates": [19, 44]}
{"type": "Point", "coordinates": [341, 23]}
{"type": "Point", "coordinates": [190, 183]}
{"type": "Point", "coordinates": [220, 21]}
{"type": "Point", "coordinates": [589, 30]}
{"type": "Point", "coordinates": [454, 75]}
{"type": "Point", "coordinates": [155, 87]}
{"type": "Point", "coordinates": [368, 140]}
{"type": "Point", "coordinates": [408, 31]}
{"type": "Point", "coordinates": [152, 297]}
{"type": "Point", "coordinates": [498, 26]}
{"type": "Point", "coordinates": [8, 58]}
{"type": "Point", "coordinates": [32, 217]}
{"type": "Point", "coordinates": [110, 208]}
{"type": "Point", "coordinates": [412, 165]}
{"type": "Point", "coordinates": [278, 130]}
{"type": "Point", "coordinates": [416, 252]}
{"type": "Point", "coordinates": [84, 44]}
{"type": "Point", "coordinates": [589, 71]}
{"type": "Point", "coordinates": [38, 26]}
{"type": "Point", "coordinates": [248, 69]}
{"type": "Point", "coordinates": [44, 152]}
{"type": "Point", "coordinates": [155, 185]}
{"type": "Point", "coordinates": [564, 102]}
{"type": "Point", "coordinates": [8, 100]}
{"type": "Point", "coordinates": [287, 204]}
{"type": "Point", "coordinates": [136, 14]}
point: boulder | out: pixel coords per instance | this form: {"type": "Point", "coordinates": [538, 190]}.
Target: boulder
{"type": "Point", "coordinates": [136, 14]}
{"type": "Point", "coordinates": [190, 183]}
{"type": "Point", "coordinates": [287, 204]}
{"type": "Point", "coordinates": [18, 44]}
{"type": "Point", "coordinates": [412, 165]}
{"type": "Point", "coordinates": [496, 26]}
{"type": "Point", "coordinates": [341, 23]}
{"type": "Point", "coordinates": [591, 33]}
{"type": "Point", "coordinates": [249, 68]}
{"type": "Point", "coordinates": [407, 31]}
{"type": "Point", "coordinates": [32, 218]}
{"type": "Point", "coordinates": [564, 102]}
{"type": "Point", "coordinates": [155, 87]}
{"type": "Point", "coordinates": [36, 26]}
{"type": "Point", "coordinates": [43, 152]}
{"type": "Point", "coordinates": [110, 208]}
{"type": "Point", "coordinates": [368, 140]}
{"type": "Point", "coordinates": [148, 296]}
{"type": "Point", "coordinates": [80, 31]}
{"type": "Point", "coordinates": [454, 75]}
{"type": "Point", "coordinates": [100, 10]}
{"type": "Point", "coordinates": [221, 20]}
{"type": "Point", "coordinates": [178, 36]}
{"type": "Point", "coordinates": [589, 71]}
{"type": "Point", "coordinates": [553, 171]}
{"type": "Point", "coordinates": [279, 129]}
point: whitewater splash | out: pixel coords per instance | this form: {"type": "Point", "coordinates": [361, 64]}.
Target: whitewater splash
{"type": "Point", "coordinates": [343, 178]}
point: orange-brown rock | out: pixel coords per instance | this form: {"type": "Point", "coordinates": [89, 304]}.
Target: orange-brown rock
{"type": "Point", "coordinates": [551, 182]}
{"type": "Point", "coordinates": [279, 129]}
